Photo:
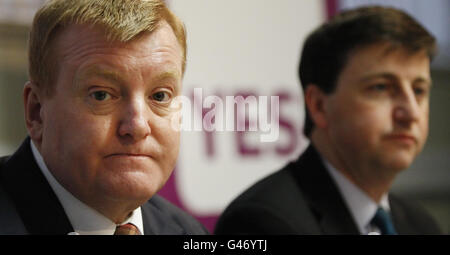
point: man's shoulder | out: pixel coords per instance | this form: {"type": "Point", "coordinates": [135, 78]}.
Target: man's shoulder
{"type": "Point", "coordinates": [166, 218]}
{"type": "Point", "coordinates": [10, 222]}
{"type": "Point", "coordinates": [285, 182]}
{"type": "Point", "coordinates": [273, 205]}
{"type": "Point", "coordinates": [412, 216]}
{"type": "Point", "coordinates": [3, 194]}
{"type": "Point", "coordinates": [3, 160]}
{"type": "Point", "coordinates": [271, 187]}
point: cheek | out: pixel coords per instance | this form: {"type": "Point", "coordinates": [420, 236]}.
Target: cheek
{"type": "Point", "coordinates": [69, 144]}
{"type": "Point", "coordinates": [169, 140]}
{"type": "Point", "coordinates": [423, 126]}
{"type": "Point", "coordinates": [359, 123]}
{"type": "Point", "coordinates": [79, 135]}
{"type": "Point", "coordinates": [373, 120]}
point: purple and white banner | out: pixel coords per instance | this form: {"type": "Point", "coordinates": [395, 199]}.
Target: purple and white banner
{"type": "Point", "coordinates": [241, 69]}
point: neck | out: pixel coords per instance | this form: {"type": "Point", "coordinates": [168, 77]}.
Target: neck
{"type": "Point", "coordinates": [118, 217]}
{"type": "Point", "coordinates": [115, 210]}
{"type": "Point", "coordinates": [371, 179]}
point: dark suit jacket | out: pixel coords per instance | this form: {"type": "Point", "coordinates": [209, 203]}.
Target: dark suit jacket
{"type": "Point", "coordinates": [28, 204]}
{"type": "Point", "coordinates": [303, 199]}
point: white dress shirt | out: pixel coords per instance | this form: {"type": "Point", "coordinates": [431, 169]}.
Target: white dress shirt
{"type": "Point", "coordinates": [84, 219]}
{"type": "Point", "coordinates": [361, 206]}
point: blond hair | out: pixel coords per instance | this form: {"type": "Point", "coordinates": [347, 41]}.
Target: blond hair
{"type": "Point", "coordinates": [123, 20]}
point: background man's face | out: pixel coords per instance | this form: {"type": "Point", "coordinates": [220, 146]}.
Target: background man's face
{"type": "Point", "coordinates": [107, 133]}
{"type": "Point", "coordinates": [378, 114]}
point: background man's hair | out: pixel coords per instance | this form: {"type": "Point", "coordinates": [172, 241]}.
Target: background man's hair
{"type": "Point", "coordinates": [123, 20]}
{"type": "Point", "coordinates": [327, 49]}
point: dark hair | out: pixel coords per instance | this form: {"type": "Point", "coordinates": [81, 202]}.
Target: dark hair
{"type": "Point", "coordinates": [326, 50]}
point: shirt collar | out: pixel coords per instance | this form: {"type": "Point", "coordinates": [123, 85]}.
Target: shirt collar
{"type": "Point", "coordinates": [361, 206]}
{"type": "Point", "coordinates": [84, 219]}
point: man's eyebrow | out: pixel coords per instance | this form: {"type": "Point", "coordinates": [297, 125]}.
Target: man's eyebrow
{"type": "Point", "coordinates": [115, 77]}
{"type": "Point", "coordinates": [101, 72]}
{"type": "Point", "coordinates": [167, 76]}
{"type": "Point", "coordinates": [391, 76]}
{"type": "Point", "coordinates": [384, 75]}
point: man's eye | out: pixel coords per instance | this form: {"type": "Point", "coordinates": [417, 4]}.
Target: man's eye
{"type": "Point", "coordinates": [161, 96]}
{"type": "Point", "coordinates": [379, 87]}
{"type": "Point", "coordinates": [101, 95]}
{"type": "Point", "coordinates": [419, 91]}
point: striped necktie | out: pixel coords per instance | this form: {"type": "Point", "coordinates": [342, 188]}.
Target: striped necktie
{"type": "Point", "coordinates": [127, 229]}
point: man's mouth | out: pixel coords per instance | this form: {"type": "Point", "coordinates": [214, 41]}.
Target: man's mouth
{"type": "Point", "coordinates": [402, 137]}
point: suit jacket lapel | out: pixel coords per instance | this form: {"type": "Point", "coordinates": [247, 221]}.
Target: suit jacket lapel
{"type": "Point", "coordinates": [399, 218]}
{"type": "Point", "coordinates": [157, 223]}
{"type": "Point", "coordinates": [34, 199]}
{"type": "Point", "coordinates": [323, 195]}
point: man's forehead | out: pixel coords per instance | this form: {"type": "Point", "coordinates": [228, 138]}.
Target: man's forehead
{"type": "Point", "coordinates": [384, 50]}
{"type": "Point", "coordinates": [384, 60]}
{"type": "Point", "coordinates": [73, 37]}
{"type": "Point", "coordinates": [70, 33]}
{"type": "Point", "coordinates": [78, 43]}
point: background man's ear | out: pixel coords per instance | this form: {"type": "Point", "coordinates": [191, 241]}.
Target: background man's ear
{"type": "Point", "coordinates": [32, 97]}
{"type": "Point", "coordinates": [315, 101]}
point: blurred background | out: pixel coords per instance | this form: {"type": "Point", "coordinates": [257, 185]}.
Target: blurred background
{"type": "Point", "coordinates": [249, 47]}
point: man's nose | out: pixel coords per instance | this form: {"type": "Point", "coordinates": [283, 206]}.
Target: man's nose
{"type": "Point", "coordinates": [134, 121]}
{"type": "Point", "coordinates": [406, 108]}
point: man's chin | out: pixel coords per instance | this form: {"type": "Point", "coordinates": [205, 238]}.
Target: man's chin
{"type": "Point", "coordinates": [133, 187]}
{"type": "Point", "coordinates": [399, 161]}
{"type": "Point", "coordinates": [137, 196]}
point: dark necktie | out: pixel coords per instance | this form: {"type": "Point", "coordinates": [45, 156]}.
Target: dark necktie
{"type": "Point", "coordinates": [127, 229]}
{"type": "Point", "coordinates": [383, 221]}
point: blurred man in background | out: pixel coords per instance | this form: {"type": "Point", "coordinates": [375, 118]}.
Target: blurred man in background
{"type": "Point", "coordinates": [366, 80]}
{"type": "Point", "coordinates": [98, 109]}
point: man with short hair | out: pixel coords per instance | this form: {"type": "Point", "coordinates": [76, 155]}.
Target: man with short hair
{"type": "Point", "coordinates": [366, 81]}
{"type": "Point", "coordinates": [98, 109]}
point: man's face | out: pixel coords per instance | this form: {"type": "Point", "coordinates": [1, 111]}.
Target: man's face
{"type": "Point", "coordinates": [378, 114]}
{"type": "Point", "coordinates": [107, 133]}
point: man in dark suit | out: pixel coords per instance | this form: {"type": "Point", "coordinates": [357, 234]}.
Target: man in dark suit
{"type": "Point", "coordinates": [99, 109]}
{"type": "Point", "coordinates": [366, 81]}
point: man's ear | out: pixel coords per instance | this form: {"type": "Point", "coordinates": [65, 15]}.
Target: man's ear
{"type": "Point", "coordinates": [32, 98]}
{"type": "Point", "coordinates": [315, 103]}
